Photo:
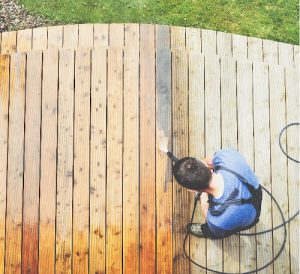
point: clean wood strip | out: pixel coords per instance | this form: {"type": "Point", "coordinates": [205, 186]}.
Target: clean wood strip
{"type": "Point", "coordinates": [286, 54]}
{"type": "Point", "coordinates": [100, 35]}
{"type": "Point", "coordinates": [181, 196]}
{"type": "Point", "coordinates": [131, 155]}
{"type": "Point", "coordinates": [209, 41]}
{"type": "Point", "coordinates": [278, 164]}
{"type": "Point", "coordinates": [296, 56]}
{"type": "Point", "coordinates": [193, 39]}
{"type": "Point", "coordinates": [64, 200]}
{"type": "Point", "coordinates": [86, 35]}
{"type": "Point", "coordinates": [246, 148]}
{"type": "Point", "coordinates": [262, 161]}
{"type": "Point", "coordinates": [177, 37]}
{"type": "Point", "coordinates": [9, 42]}
{"type": "Point", "coordinates": [224, 43]}
{"type": "Point", "coordinates": [131, 151]}
{"type": "Point", "coordinates": [81, 162]}
{"type": "Point", "coordinates": [32, 162]}
{"type": "Point", "coordinates": [70, 36]}
{"type": "Point", "coordinates": [270, 52]}
{"type": "Point", "coordinates": [114, 161]}
{"type": "Point", "coordinates": [116, 35]}
{"type": "Point", "coordinates": [147, 156]}
{"type": "Point", "coordinates": [132, 37]}
{"type": "Point", "coordinates": [163, 164]}
{"type": "Point", "coordinates": [147, 36]}
{"type": "Point", "coordinates": [239, 46]}
{"type": "Point", "coordinates": [213, 139]}
{"type": "Point", "coordinates": [55, 37]}
{"type": "Point", "coordinates": [24, 38]}
{"type": "Point", "coordinates": [162, 38]}
{"type": "Point", "coordinates": [13, 245]}
{"type": "Point", "coordinates": [292, 107]}
{"type": "Point", "coordinates": [4, 101]}
{"type": "Point", "coordinates": [39, 38]}
{"type": "Point", "coordinates": [255, 50]}
{"type": "Point", "coordinates": [98, 161]}
{"type": "Point", "coordinates": [229, 140]}
{"type": "Point", "coordinates": [48, 162]}
{"type": "Point", "coordinates": [196, 146]}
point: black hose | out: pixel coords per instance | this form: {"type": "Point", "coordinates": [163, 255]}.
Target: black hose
{"type": "Point", "coordinates": [283, 224]}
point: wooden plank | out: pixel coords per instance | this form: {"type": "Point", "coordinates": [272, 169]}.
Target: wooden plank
{"type": "Point", "coordinates": [193, 39]}
{"type": "Point", "coordinates": [13, 244]}
{"type": "Point", "coordinates": [286, 54]}
{"type": "Point", "coordinates": [270, 51]}
{"type": "Point", "coordinates": [296, 56]}
{"type": "Point", "coordinates": [209, 41]}
{"type": "Point", "coordinates": [255, 50]}
{"type": "Point", "coordinates": [39, 38]}
{"type": "Point", "coordinates": [65, 163]}
{"type": "Point", "coordinates": [86, 35]}
{"type": "Point", "coordinates": [132, 36]}
{"type": "Point", "coordinates": [116, 35]}
{"type": "Point", "coordinates": [4, 102]}
{"type": "Point", "coordinates": [147, 36]}
{"type": "Point", "coordinates": [262, 168]}
{"type": "Point", "coordinates": [278, 164]}
{"type": "Point", "coordinates": [162, 38]}
{"type": "Point", "coordinates": [181, 196]}
{"type": "Point", "coordinates": [177, 37]}
{"type": "Point", "coordinates": [229, 140]}
{"type": "Point", "coordinates": [71, 34]}
{"type": "Point", "coordinates": [24, 38]}
{"type": "Point", "coordinates": [114, 161]}
{"type": "Point", "coordinates": [213, 139]}
{"type": "Point", "coordinates": [55, 37]}
{"type": "Point", "coordinates": [246, 148]}
{"type": "Point", "coordinates": [163, 165]}
{"type": "Point", "coordinates": [48, 162]}
{"type": "Point", "coordinates": [292, 107]}
{"type": "Point", "coordinates": [98, 161]}
{"type": "Point", "coordinates": [9, 42]}
{"type": "Point", "coordinates": [196, 145]}
{"type": "Point", "coordinates": [147, 154]}
{"type": "Point", "coordinates": [32, 163]}
{"type": "Point", "coordinates": [81, 162]}
{"type": "Point", "coordinates": [239, 46]}
{"type": "Point", "coordinates": [100, 35]}
{"type": "Point", "coordinates": [224, 43]}
{"type": "Point", "coordinates": [131, 154]}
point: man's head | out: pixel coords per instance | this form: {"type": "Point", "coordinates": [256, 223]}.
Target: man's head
{"type": "Point", "coordinates": [191, 173]}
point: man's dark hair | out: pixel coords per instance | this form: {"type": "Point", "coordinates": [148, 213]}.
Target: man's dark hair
{"type": "Point", "coordinates": [191, 173]}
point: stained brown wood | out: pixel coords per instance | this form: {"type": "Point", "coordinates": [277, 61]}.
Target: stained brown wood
{"type": "Point", "coordinates": [131, 151]}
{"type": "Point", "coordinates": [48, 162]}
{"type": "Point", "coordinates": [15, 171]}
{"type": "Point", "coordinates": [163, 164]}
{"type": "Point", "coordinates": [9, 42]}
{"type": "Point", "coordinates": [4, 103]}
{"type": "Point", "coordinates": [64, 184]}
{"type": "Point", "coordinates": [114, 161]}
{"type": "Point", "coordinates": [181, 196]}
{"type": "Point", "coordinates": [147, 156]}
{"type": "Point", "coordinates": [98, 161]}
{"type": "Point", "coordinates": [32, 163]}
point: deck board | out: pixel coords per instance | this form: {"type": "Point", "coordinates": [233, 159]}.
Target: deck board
{"type": "Point", "coordinates": [107, 199]}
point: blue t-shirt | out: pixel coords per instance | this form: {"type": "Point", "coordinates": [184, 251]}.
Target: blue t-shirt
{"type": "Point", "coordinates": [233, 216]}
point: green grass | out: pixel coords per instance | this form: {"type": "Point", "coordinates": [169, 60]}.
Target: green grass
{"type": "Point", "coordinates": [268, 19]}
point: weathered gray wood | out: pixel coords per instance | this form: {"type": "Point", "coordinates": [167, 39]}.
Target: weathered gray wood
{"type": "Point", "coordinates": [163, 38]}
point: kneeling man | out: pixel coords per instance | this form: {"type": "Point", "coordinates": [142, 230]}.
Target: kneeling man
{"type": "Point", "coordinates": [230, 192]}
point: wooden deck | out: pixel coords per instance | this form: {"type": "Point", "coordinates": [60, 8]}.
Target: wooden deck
{"type": "Point", "coordinates": [83, 185]}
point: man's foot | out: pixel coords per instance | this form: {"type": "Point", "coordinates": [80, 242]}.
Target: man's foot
{"type": "Point", "coordinates": [195, 229]}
